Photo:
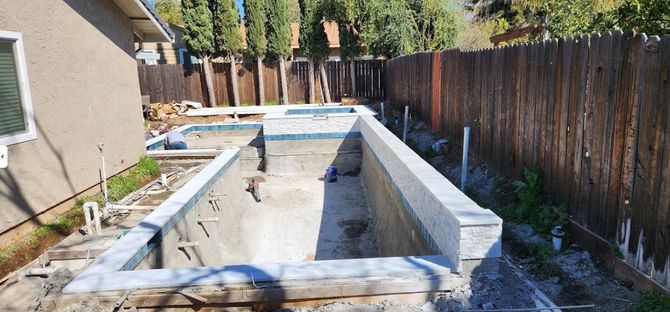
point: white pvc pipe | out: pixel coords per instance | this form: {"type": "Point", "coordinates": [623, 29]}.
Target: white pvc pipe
{"type": "Point", "coordinates": [96, 219]}
{"type": "Point", "coordinates": [87, 218]}
{"type": "Point", "coordinates": [466, 147]}
{"type": "Point", "coordinates": [213, 219]}
{"type": "Point", "coordinates": [404, 127]}
{"type": "Point", "coordinates": [187, 244]}
{"type": "Point", "coordinates": [104, 176]}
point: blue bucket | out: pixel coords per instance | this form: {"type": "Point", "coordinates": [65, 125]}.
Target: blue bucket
{"type": "Point", "coordinates": [331, 174]}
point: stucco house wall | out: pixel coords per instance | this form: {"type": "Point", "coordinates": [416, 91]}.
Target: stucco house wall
{"type": "Point", "coordinates": [85, 91]}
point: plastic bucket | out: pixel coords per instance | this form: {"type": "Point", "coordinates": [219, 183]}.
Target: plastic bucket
{"type": "Point", "coordinates": [331, 174]}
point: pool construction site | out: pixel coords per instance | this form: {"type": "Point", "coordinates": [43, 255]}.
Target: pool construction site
{"type": "Point", "coordinates": [389, 228]}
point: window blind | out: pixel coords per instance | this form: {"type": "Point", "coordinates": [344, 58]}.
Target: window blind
{"type": "Point", "coordinates": [11, 110]}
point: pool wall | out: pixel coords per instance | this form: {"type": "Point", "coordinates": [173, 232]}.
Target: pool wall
{"type": "Point", "coordinates": [300, 144]}
{"type": "Point", "coordinates": [450, 223]}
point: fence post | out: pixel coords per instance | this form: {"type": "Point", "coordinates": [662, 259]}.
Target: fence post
{"type": "Point", "coordinates": [436, 85]}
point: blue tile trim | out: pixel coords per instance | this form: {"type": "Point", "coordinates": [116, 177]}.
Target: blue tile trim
{"type": "Point", "coordinates": [161, 233]}
{"type": "Point", "coordinates": [311, 111]}
{"type": "Point", "coordinates": [311, 136]}
{"type": "Point", "coordinates": [200, 127]}
{"type": "Point", "coordinates": [424, 232]}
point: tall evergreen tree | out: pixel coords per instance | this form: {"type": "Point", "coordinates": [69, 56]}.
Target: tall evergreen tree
{"type": "Point", "coordinates": [199, 37]}
{"type": "Point", "coordinates": [346, 13]}
{"type": "Point", "coordinates": [314, 42]}
{"type": "Point", "coordinates": [227, 37]}
{"type": "Point", "coordinates": [254, 20]}
{"type": "Point", "coordinates": [279, 38]}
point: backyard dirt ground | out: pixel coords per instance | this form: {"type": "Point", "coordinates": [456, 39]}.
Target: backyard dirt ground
{"type": "Point", "coordinates": [569, 277]}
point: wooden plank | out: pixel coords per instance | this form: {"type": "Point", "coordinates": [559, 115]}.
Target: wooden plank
{"type": "Point", "coordinates": [565, 53]}
{"type": "Point", "coordinates": [57, 255]}
{"type": "Point", "coordinates": [645, 192]}
{"type": "Point", "coordinates": [550, 119]}
{"type": "Point", "coordinates": [498, 119]}
{"type": "Point", "coordinates": [662, 246]}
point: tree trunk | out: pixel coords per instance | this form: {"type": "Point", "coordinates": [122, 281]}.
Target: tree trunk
{"type": "Point", "coordinates": [324, 81]}
{"type": "Point", "coordinates": [261, 83]}
{"type": "Point", "coordinates": [282, 79]}
{"type": "Point", "coordinates": [545, 32]}
{"type": "Point", "coordinates": [352, 68]}
{"type": "Point", "coordinates": [310, 78]}
{"type": "Point", "coordinates": [208, 81]}
{"type": "Point", "coordinates": [233, 80]}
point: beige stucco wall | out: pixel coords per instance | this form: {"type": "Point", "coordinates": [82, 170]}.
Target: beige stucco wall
{"type": "Point", "coordinates": [85, 91]}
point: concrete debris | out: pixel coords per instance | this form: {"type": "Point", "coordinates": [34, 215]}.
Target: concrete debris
{"type": "Point", "coordinates": [578, 265]}
{"type": "Point", "coordinates": [85, 306]}
{"type": "Point", "coordinates": [526, 234]}
{"type": "Point", "coordinates": [56, 281]}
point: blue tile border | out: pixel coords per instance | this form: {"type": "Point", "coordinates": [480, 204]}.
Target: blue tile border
{"type": "Point", "coordinates": [311, 136]}
{"type": "Point", "coordinates": [311, 111]}
{"type": "Point", "coordinates": [165, 229]}
{"type": "Point", "coordinates": [157, 142]}
{"type": "Point", "coordinates": [424, 232]}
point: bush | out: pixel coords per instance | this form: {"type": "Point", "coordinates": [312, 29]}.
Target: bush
{"type": "Point", "coordinates": [146, 167]}
{"type": "Point", "coordinates": [120, 186]}
{"type": "Point", "coordinates": [652, 302]}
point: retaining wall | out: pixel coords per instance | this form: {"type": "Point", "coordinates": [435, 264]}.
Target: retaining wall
{"type": "Point", "coordinates": [451, 223]}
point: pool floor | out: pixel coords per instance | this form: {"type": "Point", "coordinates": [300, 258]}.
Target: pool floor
{"type": "Point", "coordinates": [304, 218]}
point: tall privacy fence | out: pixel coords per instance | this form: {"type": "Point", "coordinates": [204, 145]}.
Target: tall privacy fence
{"type": "Point", "coordinates": [167, 83]}
{"type": "Point", "coordinates": [593, 112]}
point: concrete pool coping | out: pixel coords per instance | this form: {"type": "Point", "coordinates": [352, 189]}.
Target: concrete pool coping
{"type": "Point", "coordinates": [157, 142]}
{"type": "Point", "coordinates": [250, 110]}
{"type": "Point", "coordinates": [260, 273]}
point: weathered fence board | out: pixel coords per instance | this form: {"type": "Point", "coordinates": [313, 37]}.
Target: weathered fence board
{"type": "Point", "coordinates": [167, 83]}
{"type": "Point", "coordinates": [592, 112]}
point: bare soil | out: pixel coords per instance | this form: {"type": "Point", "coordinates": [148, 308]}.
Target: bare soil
{"type": "Point", "coordinates": [185, 120]}
{"type": "Point", "coordinates": [571, 277]}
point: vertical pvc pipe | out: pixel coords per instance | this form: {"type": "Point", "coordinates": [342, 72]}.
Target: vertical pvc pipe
{"type": "Point", "coordinates": [104, 177]}
{"type": "Point", "coordinates": [383, 116]}
{"type": "Point", "coordinates": [466, 147]}
{"type": "Point", "coordinates": [96, 218]}
{"type": "Point", "coordinates": [404, 127]}
{"type": "Point", "coordinates": [87, 217]}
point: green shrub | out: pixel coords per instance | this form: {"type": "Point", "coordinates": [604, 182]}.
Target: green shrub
{"type": "Point", "coordinates": [120, 186]}
{"type": "Point", "coordinates": [652, 302]}
{"type": "Point", "coordinates": [529, 192]}
{"type": "Point", "coordinates": [97, 197]}
{"type": "Point", "coordinates": [146, 167]}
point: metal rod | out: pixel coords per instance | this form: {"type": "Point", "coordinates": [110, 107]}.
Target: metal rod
{"type": "Point", "coordinates": [404, 127]}
{"type": "Point", "coordinates": [466, 147]}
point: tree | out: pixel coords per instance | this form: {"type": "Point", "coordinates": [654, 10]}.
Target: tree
{"type": "Point", "coordinates": [227, 37]}
{"type": "Point", "coordinates": [314, 42]}
{"type": "Point", "coordinates": [254, 21]}
{"type": "Point", "coordinates": [649, 16]}
{"type": "Point", "coordinates": [388, 29]}
{"type": "Point", "coordinates": [199, 37]}
{"type": "Point", "coordinates": [438, 23]}
{"type": "Point", "coordinates": [279, 39]}
{"type": "Point", "coordinates": [346, 14]}
{"type": "Point", "coordinates": [169, 11]}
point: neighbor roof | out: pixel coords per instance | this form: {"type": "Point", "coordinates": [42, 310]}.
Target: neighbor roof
{"type": "Point", "coordinates": [145, 19]}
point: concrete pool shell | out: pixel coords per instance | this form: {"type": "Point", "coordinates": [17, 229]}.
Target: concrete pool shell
{"type": "Point", "coordinates": [424, 225]}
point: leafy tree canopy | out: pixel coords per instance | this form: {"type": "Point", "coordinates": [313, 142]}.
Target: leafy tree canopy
{"type": "Point", "coordinates": [278, 28]}
{"type": "Point", "coordinates": [227, 35]}
{"type": "Point", "coordinates": [169, 11]}
{"type": "Point", "coordinates": [254, 20]}
{"type": "Point", "coordinates": [198, 27]}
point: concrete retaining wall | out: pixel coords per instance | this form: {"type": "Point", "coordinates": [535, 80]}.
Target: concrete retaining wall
{"type": "Point", "coordinates": [397, 234]}
{"type": "Point", "coordinates": [451, 224]}
{"type": "Point", "coordinates": [218, 176]}
{"type": "Point", "coordinates": [308, 144]}
{"type": "Point", "coordinates": [216, 240]}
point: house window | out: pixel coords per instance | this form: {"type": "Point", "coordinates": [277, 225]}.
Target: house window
{"type": "Point", "coordinates": [17, 123]}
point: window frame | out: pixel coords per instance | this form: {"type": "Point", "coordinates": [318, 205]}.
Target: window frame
{"type": "Point", "coordinates": [24, 89]}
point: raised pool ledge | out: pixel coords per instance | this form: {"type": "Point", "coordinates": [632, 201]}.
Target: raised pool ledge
{"type": "Point", "coordinates": [131, 249]}
{"type": "Point", "coordinates": [325, 270]}
{"type": "Point", "coordinates": [157, 142]}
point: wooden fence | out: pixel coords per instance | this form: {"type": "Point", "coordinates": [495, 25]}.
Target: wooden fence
{"type": "Point", "coordinates": [167, 83]}
{"type": "Point", "coordinates": [593, 112]}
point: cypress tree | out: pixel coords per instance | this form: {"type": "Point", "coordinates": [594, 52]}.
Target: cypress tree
{"type": "Point", "coordinates": [279, 38]}
{"type": "Point", "coordinates": [199, 37]}
{"type": "Point", "coordinates": [227, 37]}
{"type": "Point", "coordinates": [255, 20]}
{"type": "Point", "coordinates": [314, 42]}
